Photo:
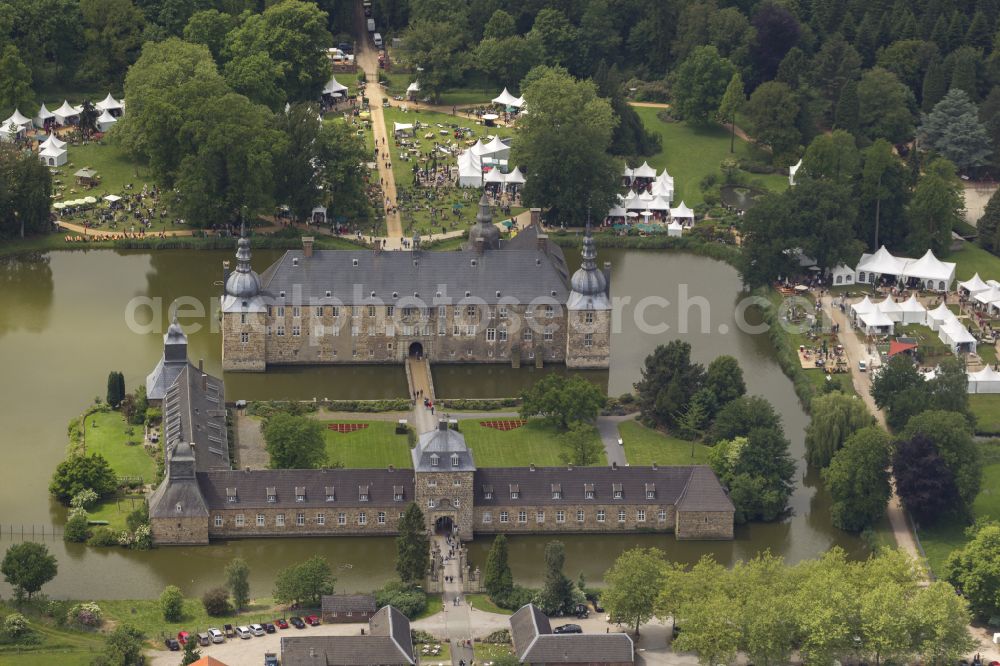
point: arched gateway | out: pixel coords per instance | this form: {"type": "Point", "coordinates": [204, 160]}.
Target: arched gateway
{"type": "Point", "coordinates": [443, 470]}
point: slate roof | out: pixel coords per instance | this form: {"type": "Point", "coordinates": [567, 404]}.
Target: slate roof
{"type": "Point", "coordinates": [536, 487]}
{"type": "Point", "coordinates": [527, 239]}
{"type": "Point", "coordinates": [443, 443]}
{"type": "Point", "coordinates": [252, 487]}
{"type": "Point", "coordinates": [704, 493]}
{"type": "Point", "coordinates": [342, 603]}
{"type": "Point", "coordinates": [535, 643]}
{"type": "Point", "coordinates": [194, 411]}
{"type": "Point", "coordinates": [520, 275]}
{"type": "Point", "coordinates": [179, 490]}
{"type": "Point", "coordinates": [388, 643]}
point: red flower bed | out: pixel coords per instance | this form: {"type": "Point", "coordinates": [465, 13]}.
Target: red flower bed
{"type": "Point", "coordinates": [346, 427]}
{"type": "Point", "coordinates": [503, 425]}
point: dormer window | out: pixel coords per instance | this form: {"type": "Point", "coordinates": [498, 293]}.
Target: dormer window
{"type": "Point", "coordinates": [454, 460]}
{"type": "Point", "coordinates": [588, 491]}
{"type": "Point", "coordinates": [231, 495]}
{"type": "Point", "coordinates": [354, 261]}
{"type": "Point", "coordinates": [272, 494]}
{"type": "Point", "coordinates": [515, 491]}
{"type": "Point", "coordinates": [616, 490]}
{"type": "Point", "coordinates": [435, 459]}
{"type": "Point", "coordinates": [397, 493]}
{"type": "Point", "coordinates": [330, 494]}
{"type": "Point", "coordinates": [281, 294]}
{"type": "Point", "coordinates": [650, 491]}
{"type": "Point", "coordinates": [362, 493]}
{"type": "Point", "coordinates": [300, 493]}
{"type": "Point", "coordinates": [178, 508]}
{"type": "Point", "coordinates": [295, 261]}
{"type": "Point", "coordinates": [329, 293]}
{"type": "Point", "coordinates": [488, 492]}
{"type": "Point", "coordinates": [556, 491]}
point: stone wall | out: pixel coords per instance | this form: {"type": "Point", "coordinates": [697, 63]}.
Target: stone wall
{"type": "Point", "coordinates": [704, 525]}
{"type": "Point", "coordinates": [488, 519]}
{"type": "Point", "coordinates": [179, 531]}
{"type": "Point", "coordinates": [452, 494]}
{"type": "Point", "coordinates": [592, 352]}
{"type": "Point", "coordinates": [238, 355]}
{"type": "Point", "coordinates": [312, 525]}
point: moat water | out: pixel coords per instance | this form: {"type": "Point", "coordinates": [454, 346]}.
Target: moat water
{"type": "Point", "coordinates": [63, 327]}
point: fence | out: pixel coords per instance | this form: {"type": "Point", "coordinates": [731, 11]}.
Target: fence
{"type": "Point", "coordinates": [30, 532]}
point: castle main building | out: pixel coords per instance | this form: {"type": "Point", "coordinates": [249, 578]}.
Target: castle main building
{"type": "Point", "coordinates": [493, 302]}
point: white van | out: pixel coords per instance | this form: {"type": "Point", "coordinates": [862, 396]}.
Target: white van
{"type": "Point", "coordinates": [377, 38]}
{"type": "Point", "coordinates": [244, 632]}
{"type": "Point", "coordinates": [371, 25]}
{"type": "Point", "coordinates": [257, 629]}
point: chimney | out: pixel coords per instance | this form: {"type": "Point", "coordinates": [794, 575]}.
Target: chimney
{"type": "Point", "coordinates": [480, 245]}
{"type": "Point", "coordinates": [614, 465]}
{"type": "Point", "coordinates": [443, 425]}
{"type": "Point", "coordinates": [307, 246]}
{"type": "Point", "coordinates": [543, 242]}
{"type": "Point", "coordinates": [204, 382]}
{"type": "Point", "coordinates": [536, 216]}
{"type": "Point", "coordinates": [531, 467]}
{"type": "Point", "coordinates": [225, 272]}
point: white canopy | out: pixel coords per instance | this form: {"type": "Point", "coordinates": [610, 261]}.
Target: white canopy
{"type": "Point", "coordinates": [634, 202]}
{"type": "Point", "coordinates": [65, 112]}
{"type": "Point", "coordinates": [930, 268]}
{"type": "Point", "coordinates": [956, 336]}
{"type": "Point", "coordinates": [401, 127]}
{"type": "Point", "coordinates": [939, 316]}
{"type": "Point", "coordinates": [792, 170]}
{"type": "Point", "coordinates": [515, 177]}
{"type": "Point", "coordinates": [659, 203]}
{"type": "Point", "coordinates": [874, 321]}
{"type": "Point", "coordinates": [478, 148]}
{"type": "Point", "coordinates": [863, 307]}
{"type": "Point", "coordinates": [617, 211]}
{"type": "Point", "coordinates": [52, 156]}
{"type": "Point", "coordinates": [112, 198]}
{"type": "Point", "coordinates": [989, 297]}
{"type": "Point", "coordinates": [108, 103]}
{"type": "Point", "coordinates": [627, 172]}
{"type": "Point", "coordinates": [52, 141]}
{"type": "Point", "coordinates": [986, 380]}
{"type": "Point", "coordinates": [682, 212]}
{"type": "Point", "coordinates": [495, 147]}
{"type": "Point", "coordinates": [662, 188]}
{"type": "Point", "coordinates": [506, 99]}
{"type": "Point", "coordinates": [43, 115]}
{"type": "Point", "coordinates": [334, 86]}
{"type": "Point", "coordinates": [974, 285]}
{"type": "Point", "coordinates": [106, 121]}
{"type": "Point", "coordinates": [17, 118]}
{"type": "Point", "coordinates": [644, 171]}
{"type": "Point", "coordinates": [891, 309]}
{"type": "Point", "coordinates": [842, 274]}
{"type": "Point", "coordinates": [880, 263]}
{"type": "Point", "coordinates": [413, 87]}
{"type": "Point", "coordinates": [470, 169]}
{"type": "Point", "coordinates": [494, 176]}
{"type": "Point", "coordinates": [913, 311]}
{"type": "Point", "coordinates": [674, 229]}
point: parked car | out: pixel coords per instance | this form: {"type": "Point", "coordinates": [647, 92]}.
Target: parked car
{"type": "Point", "coordinates": [598, 608]}
{"type": "Point", "coordinates": [281, 623]}
{"type": "Point", "coordinates": [244, 632]}
{"type": "Point", "coordinates": [862, 366]}
{"type": "Point", "coordinates": [312, 620]}
{"type": "Point", "coordinates": [297, 622]}
{"type": "Point", "coordinates": [216, 635]}
{"type": "Point", "coordinates": [568, 629]}
{"type": "Point", "coordinates": [203, 639]}
{"type": "Point", "coordinates": [172, 644]}
{"type": "Point", "coordinates": [270, 659]}
{"type": "Point", "coordinates": [257, 629]}
{"type": "Point", "coordinates": [269, 628]}
{"type": "Point", "coordinates": [230, 632]}
{"type": "Point", "coordinates": [182, 637]}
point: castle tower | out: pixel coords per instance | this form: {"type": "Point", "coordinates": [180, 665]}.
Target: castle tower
{"type": "Point", "coordinates": [174, 360]}
{"type": "Point", "coordinates": [178, 513]}
{"type": "Point", "coordinates": [484, 235]}
{"type": "Point", "coordinates": [588, 312]}
{"type": "Point", "coordinates": [243, 315]}
{"type": "Point", "coordinates": [443, 480]}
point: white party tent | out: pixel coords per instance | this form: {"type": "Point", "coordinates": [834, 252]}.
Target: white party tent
{"type": "Point", "coordinates": [990, 297]}
{"type": "Point", "coordinates": [939, 316]}
{"type": "Point", "coordinates": [933, 273]}
{"type": "Point", "coordinates": [52, 141]}
{"type": "Point", "coordinates": [841, 274]}
{"type": "Point", "coordinates": [880, 263]}
{"type": "Point", "coordinates": [109, 103]}
{"type": "Point", "coordinates": [644, 171]}
{"type": "Point", "coordinates": [43, 115]}
{"type": "Point", "coordinates": [674, 229]}
{"type": "Point", "coordinates": [495, 176]}
{"type": "Point", "coordinates": [891, 309]}
{"type": "Point", "coordinates": [627, 172]}
{"type": "Point", "coordinates": [17, 118]}
{"type": "Point", "coordinates": [876, 323]}
{"type": "Point", "coordinates": [791, 171]}
{"type": "Point", "coordinates": [682, 212]}
{"type": "Point", "coordinates": [663, 188]}
{"type": "Point", "coordinates": [863, 306]}
{"type": "Point", "coordinates": [956, 336]}
{"type": "Point", "coordinates": [105, 121]}
{"type": "Point", "coordinates": [913, 311]}
{"type": "Point", "coordinates": [413, 89]}
{"type": "Point", "coordinates": [659, 203]}
{"type": "Point", "coordinates": [634, 202]}
{"type": "Point", "coordinates": [506, 99]}
{"type": "Point", "coordinates": [333, 87]}
{"type": "Point", "coordinates": [65, 114]}
{"type": "Point", "coordinates": [986, 380]}
{"type": "Point", "coordinates": [616, 211]}
{"type": "Point", "coordinates": [402, 128]}
{"type": "Point", "coordinates": [10, 132]}
{"type": "Point", "coordinates": [478, 148]}
{"type": "Point", "coordinates": [52, 156]}
{"type": "Point", "coordinates": [974, 285]}
{"type": "Point", "coordinates": [515, 177]}
{"type": "Point", "coordinates": [496, 149]}
{"type": "Point", "coordinates": [470, 169]}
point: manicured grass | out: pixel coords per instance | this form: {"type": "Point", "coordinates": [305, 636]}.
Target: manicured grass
{"type": "Point", "coordinates": [57, 646]}
{"type": "Point", "coordinates": [644, 446]}
{"type": "Point", "coordinates": [986, 408]}
{"type": "Point", "coordinates": [485, 652]}
{"type": "Point", "coordinates": [435, 604]}
{"type": "Point", "coordinates": [972, 259]}
{"type": "Point", "coordinates": [940, 540]}
{"type": "Point", "coordinates": [106, 434]}
{"type": "Point", "coordinates": [690, 153]}
{"type": "Point", "coordinates": [147, 616]}
{"type": "Point", "coordinates": [376, 446]}
{"type": "Point", "coordinates": [482, 602]}
{"type": "Point", "coordinates": [115, 511]}
{"type": "Point", "coordinates": [536, 442]}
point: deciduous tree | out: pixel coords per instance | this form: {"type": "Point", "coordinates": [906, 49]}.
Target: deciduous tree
{"type": "Point", "coordinates": [78, 473]}
{"type": "Point", "coordinates": [858, 480]}
{"type": "Point", "coordinates": [238, 582]}
{"type": "Point", "coordinates": [15, 82]}
{"type": "Point", "coordinates": [835, 417]}
{"type": "Point", "coordinates": [772, 112]}
{"type": "Point", "coordinates": [581, 445]}
{"type": "Point", "coordinates": [633, 583]}
{"type": "Point", "coordinates": [295, 442]}
{"type": "Point", "coordinates": [304, 583]}
{"type": "Point", "coordinates": [700, 83]}
{"type": "Point", "coordinates": [884, 107]}
{"type": "Point", "coordinates": [975, 570]}
{"type": "Point", "coordinates": [758, 471]}
{"type": "Point", "coordinates": [563, 400]}
{"type": "Point", "coordinates": [27, 566]}
{"type": "Point", "coordinates": [936, 208]}
{"type": "Point", "coordinates": [924, 482]}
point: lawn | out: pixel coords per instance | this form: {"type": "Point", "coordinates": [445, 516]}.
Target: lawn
{"type": "Point", "coordinates": [972, 259]}
{"type": "Point", "coordinates": [986, 408]}
{"type": "Point", "coordinates": [487, 652]}
{"type": "Point", "coordinates": [690, 153]}
{"type": "Point", "coordinates": [482, 602]}
{"type": "Point", "coordinates": [534, 443]}
{"type": "Point", "coordinates": [940, 540]}
{"type": "Point", "coordinates": [114, 511]}
{"type": "Point", "coordinates": [107, 433]}
{"type": "Point", "coordinates": [644, 446]}
{"type": "Point", "coordinates": [435, 604]}
{"type": "Point", "coordinates": [147, 616]}
{"type": "Point", "coordinates": [57, 646]}
{"type": "Point", "coordinates": [376, 446]}
{"type": "Point", "coordinates": [479, 92]}
{"type": "Point", "coordinates": [443, 657]}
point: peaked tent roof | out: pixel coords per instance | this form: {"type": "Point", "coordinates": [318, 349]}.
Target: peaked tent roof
{"type": "Point", "coordinates": [644, 171]}
{"type": "Point", "coordinates": [897, 347]}
{"type": "Point", "coordinates": [516, 176]}
{"type": "Point", "coordinates": [987, 374]}
{"type": "Point", "coordinates": [17, 118]}
{"type": "Point", "coordinates": [941, 312]}
{"type": "Point", "coordinates": [413, 87]}
{"type": "Point", "coordinates": [929, 267]}
{"type": "Point", "coordinates": [506, 99]}
{"type": "Point", "coordinates": [43, 114]}
{"type": "Point", "coordinates": [616, 211]}
{"type": "Point", "coordinates": [66, 110]}
{"type": "Point", "coordinates": [991, 295]}
{"type": "Point", "coordinates": [478, 148]}
{"type": "Point", "coordinates": [863, 306]}
{"type": "Point", "coordinates": [882, 263]}
{"type": "Point", "coordinates": [682, 211]}
{"type": "Point", "coordinates": [912, 305]}
{"type": "Point", "coordinates": [956, 332]}
{"type": "Point", "coordinates": [333, 86]}
{"type": "Point", "coordinates": [888, 306]}
{"type": "Point", "coordinates": [875, 319]}
{"type": "Point", "coordinates": [495, 146]}
{"type": "Point", "coordinates": [52, 151]}
{"type": "Point", "coordinates": [108, 103]}
{"type": "Point", "coordinates": [494, 176]}
{"type": "Point", "coordinates": [659, 203]}
{"type": "Point", "coordinates": [795, 167]}
{"type": "Point", "coordinates": [401, 127]}
{"type": "Point", "coordinates": [106, 117]}
{"type": "Point", "coordinates": [974, 285]}
{"type": "Point", "coordinates": [53, 141]}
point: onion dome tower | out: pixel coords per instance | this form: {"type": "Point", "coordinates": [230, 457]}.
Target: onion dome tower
{"type": "Point", "coordinates": [243, 282]}
{"type": "Point", "coordinates": [484, 230]}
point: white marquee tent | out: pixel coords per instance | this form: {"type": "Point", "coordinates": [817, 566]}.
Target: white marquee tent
{"type": "Point", "coordinates": [65, 114]}
{"type": "Point", "coordinates": [52, 156]}
{"type": "Point", "coordinates": [876, 322]}
{"type": "Point", "coordinates": [105, 121]}
{"type": "Point", "coordinates": [956, 336]}
{"type": "Point", "coordinates": [506, 99]}
{"type": "Point", "coordinates": [402, 128]}
{"type": "Point", "coordinates": [841, 274]}
{"type": "Point", "coordinates": [634, 202]}
{"type": "Point", "coordinates": [990, 297]}
{"type": "Point", "coordinates": [863, 306]}
{"type": "Point", "coordinates": [913, 311]}
{"type": "Point", "coordinates": [617, 211]}
{"type": "Point", "coordinates": [659, 203]}
{"type": "Point", "coordinates": [674, 229]}
{"type": "Point", "coordinates": [682, 212]}
{"type": "Point", "coordinates": [974, 285]}
{"type": "Point", "coordinates": [470, 169]}
{"type": "Point", "coordinates": [496, 149]}
{"type": "Point", "coordinates": [42, 115]}
{"type": "Point", "coordinates": [939, 316]}
{"type": "Point", "coordinates": [891, 309]}
{"type": "Point", "coordinates": [986, 380]}
{"type": "Point", "coordinates": [333, 87]}
{"type": "Point", "coordinates": [663, 188]}
{"type": "Point", "coordinates": [791, 171]}
{"type": "Point", "coordinates": [515, 177]}
{"type": "Point", "coordinates": [933, 273]}
{"type": "Point", "coordinates": [17, 118]}
{"type": "Point", "coordinates": [109, 103]}
{"type": "Point", "coordinates": [644, 171]}
{"type": "Point", "coordinates": [52, 141]}
{"type": "Point", "coordinates": [880, 263]}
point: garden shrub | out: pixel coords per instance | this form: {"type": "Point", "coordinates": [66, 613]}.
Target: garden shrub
{"type": "Point", "coordinates": [216, 602]}
{"type": "Point", "coordinates": [87, 615]}
{"type": "Point", "coordinates": [77, 529]}
{"type": "Point", "coordinates": [410, 600]}
{"type": "Point", "coordinates": [103, 537]}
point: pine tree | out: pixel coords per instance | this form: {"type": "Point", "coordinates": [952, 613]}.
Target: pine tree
{"type": "Point", "coordinates": [935, 85]}
{"type": "Point", "coordinates": [939, 35]}
{"type": "Point", "coordinates": [412, 546]}
{"type": "Point", "coordinates": [989, 225]}
{"type": "Point", "coordinates": [497, 578]}
{"type": "Point", "coordinates": [979, 35]}
{"type": "Point", "coordinates": [952, 129]}
{"type": "Point", "coordinates": [732, 101]}
{"type": "Point", "coordinates": [557, 591]}
{"type": "Point", "coordinates": [847, 108]}
{"type": "Point", "coordinates": [865, 41]}
{"type": "Point", "coordinates": [15, 82]}
{"type": "Point", "coordinates": [116, 389]}
{"type": "Point", "coordinates": [956, 30]}
{"type": "Point", "coordinates": [963, 72]}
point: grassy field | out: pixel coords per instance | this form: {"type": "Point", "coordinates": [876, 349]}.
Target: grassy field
{"type": "Point", "coordinates": [482, 602]}
{"type": "Point", "coordinates": [435, 604]}
{"type": "Point", "coordinates": [376, 446]}
{"type": "Point", "coordinates": [644, 446]}
{"type": "Point", "coordinates": [690, 153]}
{"type": "Point", "coordinates": [986, 408]}
{"type": "Point", "coordinates": [487, 652]}
{"type": "Point", "coordinates": [106, 434]}
{"type": "Point", "coordinates": [535, 442]}
{"type": "Point", "coordinates": [940, 540]}
{"type": "Point", "coordinates": [972, 259]}
{"type": "Point", "coordinates": [472, 94]}
{"type": "Point", "coordinates": [57, 646]}
{"type": "Point", "coordinates": [147, 616]}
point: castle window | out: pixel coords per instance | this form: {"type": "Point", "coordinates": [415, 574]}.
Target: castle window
{"type": "Point", "coordinates": [491, 334]}
{"type": "Point", "coordinates": [362, 518]}
{"type": "Point", "coordinates": [331, 495]}
{"type": "Point", "coordinates": [588, 340]}
{"type": "Point", "coordinates": [260, 520]}
{"type": "Point", "coordinates": [556, 491]}
{"type": "Point", "coordinates": [354, 261]}
{"type": "Point", "coordinates": [407, 329]}
{"type": "Point", "coordinates": [300, 493]}
{"type": "Point", "coordinates": [527, 336]}
{"type": "Point", "coordinates": [296, 330]}
{"type": "Point", "coordinates": [268, 310]}
{"type": "Point", "coordinates": [355, 310]}
{"type": "Point", "coordinates": [319, 308]}
{"type": "Point", "coordinates": [515, 491]}
{"type": "Point", "coordinates": [381, 518]}
{"type": "Point", "coordinates": [456, 483]}
{"type": "Point", "coordinates": [454, 460]}
{"type": "Point", "coordinates": [231, 495]}
{"type": "Point", "coordinates": [600, 515]}
{"type": "Point", "coordinates": [579, 516]}
{"type": "Point", "coordinates": [560, 516]}
{"type": "Point", "coordinates": [588, 491]}
{"type": "Point", "coordinates": [240, 520]}
{"type": "Point", "coordinates": [455, 502]}
{"type": "Point", "coordinates": [432, 483]}
{"type": "Point", "coordinates": [650, 491]}
{"type": "Point", "coordinates": [281, 308]}
{"type": "Point", "coordinates": [272, 494]}
{"type": "Point", "coordinates": [539, 517]}
{"type": "Point", "coordinates": [218, 521]}
{"type": "Point", "coordinates": [296, 311]}
{"type": "Point", "coordinates": [617, 490]}
{"type": "Point", "coordinates": [243, 318]}
{"type": "Point", "coordinates": [522, 517]}
{"type": "Point", "coordinates": [435, 459]}
{"type": "Point", "coordinates": [389, 310]}
{"type": "Point", "coordinates": [621, 515]}
{"type": "Point", "coordinates": [295, 261]}
{"type": "Point", "coordinates": [588, 317]}
{"type": "Point", "coordinates": [335, 332]}
{"type": "Point", "coordinates": [267, 330]}
{"type": "Point", "coordinates": [550, 311]}
{"type": "Point", "coordinates": [502, 335]}
{"type": "Point", "coordinates": [503, 311]}
{"type": "Point", "coordinates": [397, 493]}
{"type": "Point", "coordinates": [640, 516]}
{"type": "Point", "coordinates": [470, 331]}
{"type": "Point", "coordinates": [355, 331]}
{"type": "Point", "coordinates": [279, 520]}
{"type": "Point", "coordinates": [362, 493]}
{"type": "Point", "coordinates": [661, 515]}
{"type": "Point", "coordinates": [371, 353]}
{"type": "Point", "coordinates": [281, 330]}
{"type": "Point", "coordinates": [504, 518]}
{"type": "Point", "coordinates": [336, 309]}
{"type": "Point", "coordinates": [329, 293]}
{"type": "Point", "coordinates": [431, 504]}
{"type": "Point", "coordinates": [492, 312]}
{"type": "Point", "coordinates": [470, 310]}
{"type": "Point", "coordinates": [321, 519]}
{"type": "Point", "coordinates": [547, 334]}
{"type": "Point", "coordinates": [487, 516]}
{"type": "Point", "coordinates": [371, 310]}
{"type": "Point", "coordinates": [178, 508]}
{"type": "Point", "coordinates": [300, 519]}
{"type": "Point", "coordinates": [487, 492]}
{"type": "Point", "coordinates": [341, 518]}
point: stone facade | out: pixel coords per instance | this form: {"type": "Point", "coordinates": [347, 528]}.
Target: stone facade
{"type": "Point", "coordinates": [245, 346]}
{"type": "Point", "coordinates": [588, 341]}
{"type": "Point", "coordinates": [288, 521]}
{"type": "Point", "coordinates": [581, 518]}
{"type": "Point", "coordinates": [704, 525]}
{"type": "Point", "coordinates": [180, 531]}
{"type": "Point", "coordinates": [446, 495]}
